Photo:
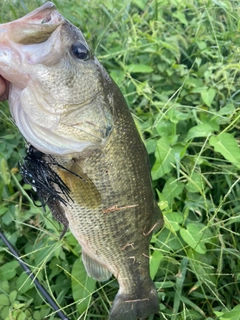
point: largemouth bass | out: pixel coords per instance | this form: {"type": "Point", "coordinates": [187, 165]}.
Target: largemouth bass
{"type": "Point", "coordinates": [68, 108]}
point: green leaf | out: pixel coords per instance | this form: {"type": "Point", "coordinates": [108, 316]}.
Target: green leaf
{"type": "Point", "coordinates": [193, 236]}
{"type": "Point", "coordinates": [118, 76]}
{"type": "Point", "coordinates": [201, 130]}
{"type": "Point", "coordinates": [208, 95]}
{"type": "Point", "coordinates": [4, 312]}
{"type": "Point", "coordinates": [234, 314]}
{"type": "Point", "coordinates": [19, 315]}
{"type": "Point", "coordinates": [165, 284]}
{"type": "Point", "coordinates": [139, 68]}
{"type": "Point", "coordinates": [201, 264]}
{"type": "Point", "coordinates": [165, 128]}
{"type": "Point", "coordinates": [45, 253]}
{"type": "Point", "coordinates": [140, 3]}
{"type": "Point", "coordinates": [227, 110]}
{"type": "Point", "coordinates": [7, 218]}
{"type": "Point", "coordinates": [4, 301]}
{"type": "Point", "coordinates": [193, 306]}
{"type": "Point", "coordinates": [181, 17]}
{"type": "Point", "coordinates": [3, 210]}
{"type": "Point", "coordinates": [175, 115]}
{"type": "Point", "coordinates": [8, 270]}
{"type": "Point", "coordinates": [227, 145]}
{"type": "Point", "coordinates": [172, 221]}
{"type": "Point", "coordinates": [4, 172]}
{"type": "Point", "coordinates": [195, 182]}
{"type": "Point", "coordinates": [155, 260]}
{"type": "Point", "coordinates": [5, 286]}
{"type": "Point", "coordinates": [179, 284]}
{"type": "Point", "coordinates": [167, 241]}
{"type": "Point", "coordinates": [164, 158]}
{"type": "Point", "coordinates": [150, 145]}
{"type": "Point", "coordinates": [13, 296]}
{"type": "Point", "coordinates": [82, 286]}
{"type": "Point", "coordinates": [172, 189]}
{"type": "Point", "coordinates": [37, 315]}
{"type": "Point", "coordinates": [24, 283]}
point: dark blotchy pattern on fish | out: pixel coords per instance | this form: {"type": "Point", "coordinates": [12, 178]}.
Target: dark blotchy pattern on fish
{"type": "Point", "coordinates": [68, 107]}
{"type": "Point", "coordinates": [118, 213]}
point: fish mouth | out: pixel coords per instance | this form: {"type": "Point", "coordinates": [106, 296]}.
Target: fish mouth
{"type": "Point", "coordinates": [34, 28]}
{"type": "Point", "coordinates": [35, 62]}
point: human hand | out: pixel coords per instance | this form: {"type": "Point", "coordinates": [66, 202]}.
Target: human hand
{"type": "Point", "coordinates": [3, 89]}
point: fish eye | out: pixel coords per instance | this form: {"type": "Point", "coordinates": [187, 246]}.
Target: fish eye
{"type": "Point", "coordinates": [80, 51]}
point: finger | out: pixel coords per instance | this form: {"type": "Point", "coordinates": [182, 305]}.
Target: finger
{"type": "Point", "coordinates": [3, 89]}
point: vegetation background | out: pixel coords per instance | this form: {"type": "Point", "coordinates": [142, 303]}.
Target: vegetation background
{"type": "Point", "coordinates": [177, 64]}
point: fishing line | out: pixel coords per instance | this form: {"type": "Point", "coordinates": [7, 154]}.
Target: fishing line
{"type": "Point", "coordinates": [42, 290]}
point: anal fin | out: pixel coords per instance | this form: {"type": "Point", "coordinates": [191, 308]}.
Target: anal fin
{"type": "Point", "coordinates": [94, 269]}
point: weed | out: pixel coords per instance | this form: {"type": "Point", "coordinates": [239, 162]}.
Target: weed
{"type": "Point", "coordinates": [177, 64]}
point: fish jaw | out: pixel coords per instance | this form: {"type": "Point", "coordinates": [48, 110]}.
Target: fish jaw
{"type": "Point", "coordinates": [35, 27]}
{"type": "Point", "coordinates": [18, 54]}
{"type": "Point", "coordinates": [50, 91]}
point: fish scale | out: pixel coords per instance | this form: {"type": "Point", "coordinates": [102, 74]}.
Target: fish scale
{"type": "Point", "coordinates": [69, 109]}
{"type": "Point", "coordinates": [120, 176]}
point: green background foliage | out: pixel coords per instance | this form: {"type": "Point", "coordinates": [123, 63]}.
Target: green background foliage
{"type": "Point", "coordinates": [177, 64]}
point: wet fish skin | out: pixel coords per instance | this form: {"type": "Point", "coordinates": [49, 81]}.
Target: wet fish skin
{"type": "Point", "coordinates": [117, 224]}
{"type": "Point", "coordinates": [71, 108]}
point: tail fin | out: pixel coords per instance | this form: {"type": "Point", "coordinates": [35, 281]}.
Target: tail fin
{"type": "Point", "coordinates": [130, 308]}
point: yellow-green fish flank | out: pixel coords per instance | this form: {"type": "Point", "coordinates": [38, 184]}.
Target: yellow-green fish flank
{"type": "Point", "coordinates": [67, 106]}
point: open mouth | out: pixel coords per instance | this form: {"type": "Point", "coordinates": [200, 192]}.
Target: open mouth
{"type": "Point", "coordinates": [47, 13]}
{"type": "Point", "coordinates": [35, 27]}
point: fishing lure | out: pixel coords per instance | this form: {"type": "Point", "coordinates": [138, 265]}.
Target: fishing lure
{"type": "Point", "coordinates": [37, 171]}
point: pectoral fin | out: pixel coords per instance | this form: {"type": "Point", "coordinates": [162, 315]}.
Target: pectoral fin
{"type": "Point", "coordinates": [83, 190]}
{"type": "Point", "coordinates": [95, 269]}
